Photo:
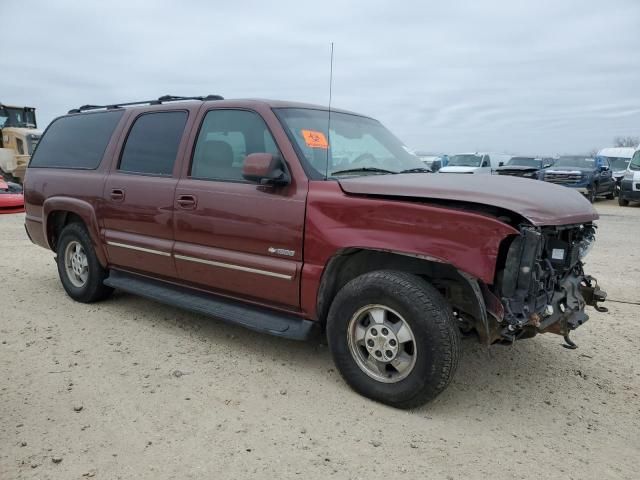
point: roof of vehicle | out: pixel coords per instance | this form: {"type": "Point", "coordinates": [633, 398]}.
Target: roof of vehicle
{"type": "Point", "coordinates": [624, 152]}
{"type": "Point", "coordinates": [210, 99]}
{"type": "Point", "coordinates": [482, 153]}
{"type": "Point", "coordinates": [15, 106]}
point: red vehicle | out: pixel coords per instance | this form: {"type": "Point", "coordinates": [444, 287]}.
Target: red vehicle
{"type": "Point", "coordinates": [256, 213]}
{"type": "Point", "coordinates": [11, 198]}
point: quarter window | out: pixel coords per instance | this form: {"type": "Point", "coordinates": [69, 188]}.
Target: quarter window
{"type": "Point", "coordinates": [225, 139]}
{"type": "Point", "coordinates": [76, 141]}
{"type": "Point", "coordinates": [152, 144]}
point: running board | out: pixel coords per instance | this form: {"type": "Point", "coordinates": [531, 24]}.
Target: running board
{"type": "Point", "coordinates": [246, 315]}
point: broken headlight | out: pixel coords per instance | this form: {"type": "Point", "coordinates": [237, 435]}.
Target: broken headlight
{"type": "Point", "coordinates": [585, 245]}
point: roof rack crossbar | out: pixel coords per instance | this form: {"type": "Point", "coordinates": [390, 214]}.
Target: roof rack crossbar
{"type": "Point", "coordinates": [157, 101]}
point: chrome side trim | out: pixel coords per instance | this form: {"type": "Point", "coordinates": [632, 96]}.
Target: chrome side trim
{"type": "Point", "coordinates": [234, 267]}
{"type": "Point", "coordinates": [140, 249]}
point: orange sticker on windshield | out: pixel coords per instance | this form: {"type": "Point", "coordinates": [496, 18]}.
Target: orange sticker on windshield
{"type": "Point", "coordinates": [315, 139]}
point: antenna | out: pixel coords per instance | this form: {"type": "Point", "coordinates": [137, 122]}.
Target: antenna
{"type": "Point", "coordinates": [326, 175]}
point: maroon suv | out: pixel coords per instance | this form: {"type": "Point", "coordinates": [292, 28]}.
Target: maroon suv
{"type": "Point", "coordinates": [290, 219]}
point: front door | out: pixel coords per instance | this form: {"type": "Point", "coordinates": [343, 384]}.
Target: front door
{"type": "Point", "coordinates": [605, 176]}
{"type": "Point", "coordinates": [232, 236]}
{"type": "Point", "coordinates": [137, 210]}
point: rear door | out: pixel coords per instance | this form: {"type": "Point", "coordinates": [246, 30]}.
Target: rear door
{"type": "Point", "coordinates": [138, 198]}
{"type": "Point", "coordinates": [232, 236]}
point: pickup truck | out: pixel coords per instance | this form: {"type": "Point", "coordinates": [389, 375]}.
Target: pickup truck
{"type": "Point", "coordinates": [255, 212]}
{"type": "Point", "coordinates": [526, 167]}
{"type": "Point", "coordinates": [589, 176]}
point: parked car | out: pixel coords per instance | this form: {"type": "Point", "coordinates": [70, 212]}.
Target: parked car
{"type": "Point", "coordinates": [238, 209]}
{"type": "Point", "coordinates": [476, 163]}
{"type": "Point", "coordinates": [618, 158]}
{"type": "Point", "coordinates": [630, 184]}
{"type": "Point", "coordinates": [11, 198]}
{"type": "Point", "coordinates": [589, 176]}
{"type": "Point", "coordinates": [526, 167]}
{"type": "Point", "coordinates": [433, 162]}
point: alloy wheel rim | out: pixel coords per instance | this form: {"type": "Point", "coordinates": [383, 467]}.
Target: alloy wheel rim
{"type": "Point", "coordinates": [382, 343]}
{"type": "Point", "coordinates": [76, 264]}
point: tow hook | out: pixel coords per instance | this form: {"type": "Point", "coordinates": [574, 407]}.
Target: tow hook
{"type": "Point", "coordinates": [592, 294]}
{"type": "Point", "coordinates": [568, 343]}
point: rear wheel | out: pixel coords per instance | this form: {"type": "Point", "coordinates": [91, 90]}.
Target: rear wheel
{"type": "Point", "coordinates": [80, 271]}
{"type": "Point", "coordinates": [393, 338]}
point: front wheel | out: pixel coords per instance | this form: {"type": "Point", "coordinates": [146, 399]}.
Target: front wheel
{"type": "Point", "coordinates": [611, 195]}
{"type": "Point", "coordinates": [621, 201]}
{"type": "Point", "coordinates": [591, 193]}
{"type": "Point", "coordinates": [393, 338]}
{"type": "Point", "coordinates": [80, 271]}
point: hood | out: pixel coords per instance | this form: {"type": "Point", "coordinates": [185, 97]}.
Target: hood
{"type": "Point", "coordinates": [458, 169]}
{"type": "Point", "coordinates": [539, 202]}
{"type": "Point", "coordinates": [633, 175]}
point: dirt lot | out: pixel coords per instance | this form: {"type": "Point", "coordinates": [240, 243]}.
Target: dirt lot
{"type": "Point", "coordinates": [129, 388]}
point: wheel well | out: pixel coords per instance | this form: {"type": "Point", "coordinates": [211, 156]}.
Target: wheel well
{"type": "Point", "coordinates": [56, 221]}
{"type": "Point", "coordinates": [352, 263]}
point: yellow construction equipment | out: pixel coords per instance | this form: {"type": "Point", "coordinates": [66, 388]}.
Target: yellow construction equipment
{"type": "Point", "coordinates": [18, 138]}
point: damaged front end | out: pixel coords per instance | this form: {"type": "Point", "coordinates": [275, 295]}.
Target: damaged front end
{"type": "Point", "coordinates": [541, 284]}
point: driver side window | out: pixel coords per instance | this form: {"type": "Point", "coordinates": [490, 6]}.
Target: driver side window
{"type": "Point", "coordinates": [225, 139]}
{"type": "Point", "coordinates": [486, 161]}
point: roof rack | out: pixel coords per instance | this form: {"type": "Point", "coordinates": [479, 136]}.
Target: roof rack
{"type": "Point", "coordinates": [158, 101]}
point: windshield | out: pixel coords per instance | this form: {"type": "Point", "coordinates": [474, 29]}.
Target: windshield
{"type": "Point", "coordinates": [525, 162]}
{"type": "Point", "coordinates": [353, 143]}
{"type": "Point", "coordinates": [576, 162]}
{"type": "Point", "coordinates": [17, 117]}
{"type": "Point", "coordinates": [635, 161]}
{"type": "Point", "coordinates": [618, 163]}
{"type": "Point", "coordinates": [466, 160]}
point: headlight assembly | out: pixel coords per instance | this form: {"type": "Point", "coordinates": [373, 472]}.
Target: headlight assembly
{"type": "Point", "coordinates": [585, 245]}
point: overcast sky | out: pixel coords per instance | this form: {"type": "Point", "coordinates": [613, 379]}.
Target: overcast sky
{"type": "Point", "coordinates": [514, 76]}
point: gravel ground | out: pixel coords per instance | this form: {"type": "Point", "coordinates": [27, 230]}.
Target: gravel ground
{"type": "Point", "coordinates": [129, 388]}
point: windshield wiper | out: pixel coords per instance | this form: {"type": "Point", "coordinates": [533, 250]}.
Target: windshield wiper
{"type": "Point", "coordinates": [416, 170]}
{"type": "Point", "coordinates": [362, 169]}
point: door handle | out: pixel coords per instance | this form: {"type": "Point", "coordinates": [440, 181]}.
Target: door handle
{"type": "Point", "coordinates": [117, 194]}
{"type": "Point", "coordinates": [188, 202]}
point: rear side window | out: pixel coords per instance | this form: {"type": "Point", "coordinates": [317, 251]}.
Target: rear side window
{"type": "Point", "coordinates": [77, 141]}
{"type": "Point", "coordinates": [152, 144]}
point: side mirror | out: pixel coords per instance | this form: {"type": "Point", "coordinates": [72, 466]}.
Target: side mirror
{"type": "Point", "coordinates": [265, 169]}
{"type": "Point", "coordinates": [546, 165]}
{"type": "Point", "coordinates": [501, 164]}
{"type": "Point", "coordinates": [604, 168]}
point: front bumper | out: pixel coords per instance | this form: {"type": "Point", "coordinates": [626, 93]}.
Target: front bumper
{"type": "Point", "coordinates": [582, 186]}
{"type": "Point", "coordinates": [542, 287]}
{"type": "Point", "coordinates": [627, 191]}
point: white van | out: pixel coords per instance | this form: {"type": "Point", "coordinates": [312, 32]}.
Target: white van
{"type": "Point", "coordinates": [477, 162]}
{"type": "Point", "coordinates": [630, 185]}
{"type": "Point", "coordinates": [619, 158]}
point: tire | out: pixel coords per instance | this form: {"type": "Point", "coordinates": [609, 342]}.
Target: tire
{"type": "Point", "coordinates": [612, 194]}
{"type": "Point", "coordinates": [591, 193]}
{"type": "Point", "coordinates": [88, 286]}
{"type": "Point", "coordinates": [433, 353]}
{"type": "Point", "coordinates": [621, 201]}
